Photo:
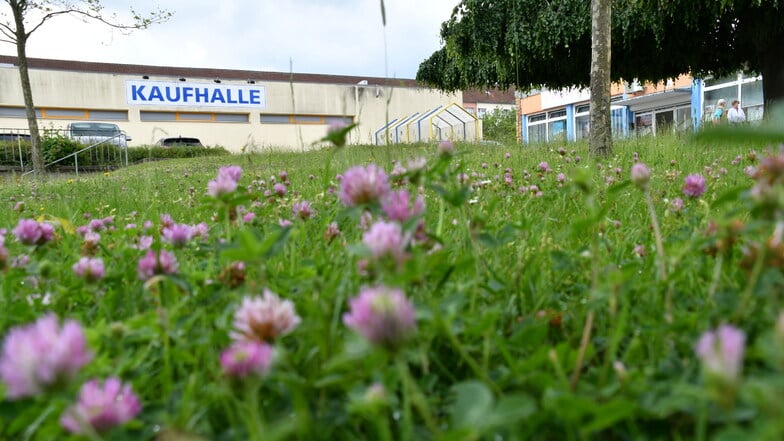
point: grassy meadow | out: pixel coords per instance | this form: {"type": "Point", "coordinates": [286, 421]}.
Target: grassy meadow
{"type": "Point", "coordinates": [553, 298]}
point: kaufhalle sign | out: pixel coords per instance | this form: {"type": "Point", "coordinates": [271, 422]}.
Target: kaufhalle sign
{"type": "Point", "coordinates": [194, 94]}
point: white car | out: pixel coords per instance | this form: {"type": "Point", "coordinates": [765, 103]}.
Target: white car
{"type": "Point", "coordinates": [89, 133]}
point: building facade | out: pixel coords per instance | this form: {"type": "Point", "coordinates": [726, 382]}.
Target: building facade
{"type": "Point", "coordinates": [236, 109]}
{"type": "Point", "coordinates": [679, 105]}
{"type": "Point", "coordinates": [485, 101]}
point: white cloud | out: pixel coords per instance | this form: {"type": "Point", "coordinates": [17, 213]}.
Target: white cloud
{"type": "Point", "coordinates": [327, 36]}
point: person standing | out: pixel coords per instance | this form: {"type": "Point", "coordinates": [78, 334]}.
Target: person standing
{"type": "Point", "coordinates": [736, 115]}
{"type": "Point", "coordinates": [720, 114]}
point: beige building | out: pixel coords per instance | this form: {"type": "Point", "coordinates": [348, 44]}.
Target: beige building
{"type": "Point", "coordinates": [236, 109]}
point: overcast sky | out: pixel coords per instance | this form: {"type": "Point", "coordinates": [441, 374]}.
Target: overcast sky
{"type": "Point", "coordinates": [309, 36]}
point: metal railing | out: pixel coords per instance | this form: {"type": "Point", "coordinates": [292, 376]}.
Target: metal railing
{"type": "Point", "coordinates": [13, 140]}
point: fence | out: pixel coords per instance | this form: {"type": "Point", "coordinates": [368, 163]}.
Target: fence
{"type": "Point", "coordinates": [60, 153]}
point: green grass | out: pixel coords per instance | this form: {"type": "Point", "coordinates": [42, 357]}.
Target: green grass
{"type": "Point", "coordinates": [503, 285]}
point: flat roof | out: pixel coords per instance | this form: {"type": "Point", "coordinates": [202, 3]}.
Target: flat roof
{"type": "Point", "coordinates": [205, 73]}
{"type": "Point", "coordinates": [657, 99]}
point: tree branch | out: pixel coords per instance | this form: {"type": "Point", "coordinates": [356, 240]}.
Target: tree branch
{"type": "Point", "coordinates": [44, 19]}
{"type": "Point", "coordinates": [8, 32]}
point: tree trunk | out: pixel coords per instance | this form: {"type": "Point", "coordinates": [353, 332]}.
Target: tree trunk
{"type": "Point", "coordinates": [27, 91]}
{"type": "Point", "coordinates": [773, 77]}
{"type": "Point", "coordinates": [600, 140]}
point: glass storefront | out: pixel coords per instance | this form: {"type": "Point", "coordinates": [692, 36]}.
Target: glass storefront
{"type": "Point", "coordinates": [537, 133]}
{"type": "Point", "coordinates": [746, 89]}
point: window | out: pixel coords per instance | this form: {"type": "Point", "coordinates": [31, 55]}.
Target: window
{"type": "Point", "coordinates": [583, 108]}
{"type": "Point", "coordinates": [557, 114]}
{"type": "Point", "coordinates": [582, 126]}
{"type": "Point", "coordinates": [304, 119]}
{"type": "Point", "coordinates": [482, 112]}
{"type": "Point", "coordinates": [147, 115]}
{"type": "Point", "coordinates": [94, 129]}
{"type": "Point", "coordinates": [539, 117]}
{"type": "Point", "coordinates": [683, 119]}
{"type": "Point", "coordinates": [537, 133]}
{"type": "Point", "coordinates": [643, 124]}
{"type": "Point", "coordinates": [275, 119]}
{"type": "Point", "coordinates": [63, 113]}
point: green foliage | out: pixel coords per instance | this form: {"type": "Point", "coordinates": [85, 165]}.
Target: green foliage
{"type": "Point", "coordinates": [500, 126]}
{"type": "Point", "coordinates": [530, 43]}
{"type": "Point", "coordinates": [502, 277]}
{"type": "Point", "coordinates": [152, 153]}
{"type": "Point", "coordinates": [55, 145]}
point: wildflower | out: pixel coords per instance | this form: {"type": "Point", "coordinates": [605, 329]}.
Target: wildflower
{"type": "Point", "coordinates": [178, 234]}
{"type": "Point", "coordinates": [641, 175]}
{"type": "Point", "coordinates": [101, 406]}
{"type": "Point", "coordinates": [91, 269]}
{"type": "Point", "coordinates": [233, 172]}
{"type": "Point", "coordinates": [721, 353]}
{"type": "Point", "coordinates": [676, 205]}
{"type": "Point", "coordinates": [226, 181]}
{"type": "Point", "coordinates": [694, 186]}
{"type": "Point", "coordinates": [279, 189]}
{"type": "Point", "coordinates": [396, 206]}
{"type": "Point", "coordinates": [30, 232]}
{"type": "Point", "coordinates": [560, 178]}
{"type": "Point", "coordinates": [166, 221]}
{"type": "Point", "coordinates": [248, 217]}
{"type": "Point", "coordinates": [383, 315]}
{"type": "Point", "coordinates": [244, 358]}
{"type": "Point", "coordinates": [337, 131]}
{"type": "Point", "coordinates": [233, 275]}
{"type": "Point", "coordinates": [639, 250]}
{"type": "Point", "coordinates": [446, 147]}
{"type": "Point", "coordinates": [201, 230]}
{"type": "Point", "coordinates": [386, 239]}
{"type": "Point", "coordinates": [3, 256]}
{"type": "Point", "coordinates": [363, 185]}
{"type": "Point", "coordinates": [152, 264]}
{"type": "Point", "coordinates": [332, 231]}
{"type": "Point", "coordinates": [285, 223]}
{"type": "Point", "coordinates": [40, 355]}
{"type": "Point", "coordinates": [264, 318]}
{"type": "Point", "coordinates": [302, 210]}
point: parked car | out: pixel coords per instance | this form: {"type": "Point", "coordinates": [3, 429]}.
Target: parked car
{"type": "Point", "coordinates": [179, 142]}
{"type": "Point", "coordinates": [89, 133]}
{"type": "Point", "coordinates": [14, 137]}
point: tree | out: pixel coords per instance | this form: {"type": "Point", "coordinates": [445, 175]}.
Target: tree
{"type": "Point", "coordinates": [500, 126]}
{"type": "Point", "coordinates": [600, 140]}
{"type": "Point", "coordinates": [534, 43]}
{"type": "Point", "coordinates": [28, 16]}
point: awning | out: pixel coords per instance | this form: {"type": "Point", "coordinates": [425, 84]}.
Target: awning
{"type": "Point", "coordinates": [667, 98]}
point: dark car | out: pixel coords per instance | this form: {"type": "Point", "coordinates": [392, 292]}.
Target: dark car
{"type": "Point", "coordinates": [179, 142]}
{"type": "Point", "coordinates": [14, 137]}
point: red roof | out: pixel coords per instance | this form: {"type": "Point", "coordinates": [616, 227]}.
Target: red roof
{"type": "Point", "coordinates": [490, 96]}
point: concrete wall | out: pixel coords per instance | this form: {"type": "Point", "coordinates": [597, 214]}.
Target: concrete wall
{"type": "Point", "coordinates": [369, 104]}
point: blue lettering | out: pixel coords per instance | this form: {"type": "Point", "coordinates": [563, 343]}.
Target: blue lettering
{"type": "Point", "coordinates": [169, 96]}
{"type": "Point", "coordinates": [187, 92]}
{"type": "Point", "coordinates": [240, 98]}
{"type": "Point", "coordinates": [228, 97]}
{"type": "Point", "coordinates": [255, 97]}
{"type": "Point", "coordinates": [217, 96]}
{"type": "Point", "coordinates": [202, 93]}
{"type": "Point", "coordinates": [155, 94]}
{"type": "Point", "coordinates": [136, 93]}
